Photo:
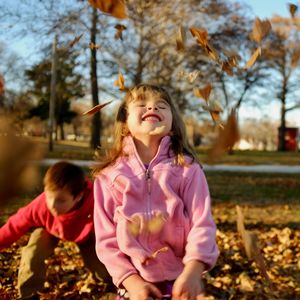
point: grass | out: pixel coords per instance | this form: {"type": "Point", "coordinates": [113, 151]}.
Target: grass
{"type": "Point", "coordinates": [250, 188]}
{"type": "Point", "coordinates": [82, 151]}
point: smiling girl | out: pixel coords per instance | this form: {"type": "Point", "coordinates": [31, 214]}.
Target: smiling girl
{"type": "Point", "coordinates": [154, 229]}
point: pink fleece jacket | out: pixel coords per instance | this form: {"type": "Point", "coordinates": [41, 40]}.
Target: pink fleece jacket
{"type": "Point", "coordinates": [152, 222]}
{"type": "Point", "coordinates": [76, 226]}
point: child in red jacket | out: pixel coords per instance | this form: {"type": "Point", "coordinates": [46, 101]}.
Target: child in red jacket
{"type": "Point", "coordinates": [64, 211]}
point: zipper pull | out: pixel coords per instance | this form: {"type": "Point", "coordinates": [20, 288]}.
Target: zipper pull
{"type": "Point", "coordinates": [147, 174]}
{"type": "Point", "coordinates": [148, 177]}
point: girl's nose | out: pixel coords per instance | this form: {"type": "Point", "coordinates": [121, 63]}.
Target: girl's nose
{"type": "Point", "coordinates": [152, 107]}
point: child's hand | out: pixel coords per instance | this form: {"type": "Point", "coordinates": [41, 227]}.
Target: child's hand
{"type": "Point", "coordinates": [138, 289]}
{"type": "Point", "coordinates": [188, 285]}
{"type": "Point", "coordinates": [188, 288]}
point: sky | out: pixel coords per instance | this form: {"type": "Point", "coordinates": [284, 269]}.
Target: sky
{"type": "Point", "coordinates": [267, 8]}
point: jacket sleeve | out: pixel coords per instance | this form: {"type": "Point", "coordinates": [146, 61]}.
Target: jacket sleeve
{"type": "Point", "coordinates": [18, 224]}
{"type": "Point", "coordinates": [201, 239]}
{"type": "Point", "coordinates": [117, 263]}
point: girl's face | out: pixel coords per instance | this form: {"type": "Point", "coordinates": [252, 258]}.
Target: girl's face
{"type": "Point", "coordinates": [145, 114]}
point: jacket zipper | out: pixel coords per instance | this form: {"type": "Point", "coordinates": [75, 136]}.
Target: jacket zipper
{"type": "Point", "coordinates": [148, 212]}
{"type": "Point", "coordinates": [148, 183]}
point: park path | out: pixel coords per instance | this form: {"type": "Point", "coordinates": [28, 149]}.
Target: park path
{"type": "Point", "coordinates": [225, 168]}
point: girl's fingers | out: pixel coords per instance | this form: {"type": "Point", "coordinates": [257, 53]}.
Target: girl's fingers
{"type": "Point", "coordinates": [155, 291]}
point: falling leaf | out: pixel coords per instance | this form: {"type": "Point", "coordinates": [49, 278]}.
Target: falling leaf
{"type": "Point", "coordinates": [119, 32]}
{"type": "Point", "coordinates": [200, 34]}
{"type": "Point", "coordinates": [226, 139]}
{"type": "Point", "coordinates": [260, 29]}
{"type": "Point", "coordinates": [154, 255]}
{"type": "Point", "coordinates": [134, 225]}
{"type": "Point", "coordinates": [227, 67]}
{"type": "Point", "coordinates": [191, 77]}
{"type": "Point", "coordinates": [96, 108]}
{"type": "Point", "coordinates": [94, 46]}
{"type": "Point", "coordinates": [215, 109]}
{"type": "Point", "coordinates": [293, 9]}
{"type": "Point", "coordinates": [204, 92]}
{"type": "Point", "coordinates": [156, 223]}
{"type": "Point", "coordinates": [202, 38]}
{"type": "Point", "coordinates": [250, 241]}
{"type": "Point", "coordinates": [17, 172]}
{"type": "Point", "coordinates": [75, 40]}
{"type": "Point", "coordinates": [158, 130]}
{"type": "Point", "coordinates": [116, 8]}
{"type": "Point", "coordinates": [120, 82]}
{"type": "Point", "coordinates": [180, 40]}
{"type": "Point", "coordinates": [2, 84]}
{"type": "Point", "coordinates": [253, 58]}
{"type": "Point", "coordinates": [295, 57]}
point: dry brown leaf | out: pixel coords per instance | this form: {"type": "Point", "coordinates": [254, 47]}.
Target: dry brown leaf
{"type": "Point", "coordinates": [204, 92]}
{"type": "Point", "coordinates": [227, 67]}
{"type": "Point", "coordinates": [295, 57]}
{"type": "Point", "coordinates": [215, 115]}
{"type": "Point", "coordinates": [246, 284]}
{"type": "Point", "coordinates": [75, 40]}
{"type": "Point", "coordinates": [253, 58]}
{"type": "Point", "coordinates": [116, 8]}
{"type": "Point", "coordinates": [154, 254]}
{"type": "Point", "coordinates": [120, 82]}
{"type": "Point", "coordinates": [202, 38]}
{"type": "Point", "coordinates": [250, 241]}
{"type": "Point", "coordinates": [94, 46]}
{"type": "Point", "coordinates": [96, 108]}
{"type": "Point", "coordinates": [293, 9]}
{"type": "Point", "coordinates": [226, 139]}
{"type": "Point", "coordinates": [180, 40]}
{"type": "Point", "coordinates": [261, 28]}
{"type": "Point", "coordinates": [119, 32]}
{"type": "Point", "coordinates": [18, 174]}
{"type": "Point", "coordinates": [156, 223]}
{"type": "Point", "coordinates": [200, 34]}
{"type": "Point", "coordinates": [191, 77]}
{"type": "Point", "coordinates": [134, 225]}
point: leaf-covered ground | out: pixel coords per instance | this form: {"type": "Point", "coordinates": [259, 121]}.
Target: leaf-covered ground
{"type": "Point", "coordinates": [234, 277]}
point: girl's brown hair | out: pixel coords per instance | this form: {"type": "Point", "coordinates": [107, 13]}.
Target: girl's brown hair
{"type": "Point", "coordinates": [65, 175]}
{"type": "Point", "coordinates": [179, 142]}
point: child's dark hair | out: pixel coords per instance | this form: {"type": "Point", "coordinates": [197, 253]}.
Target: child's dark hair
{"type": "Point", "coordinates": [65, 175]}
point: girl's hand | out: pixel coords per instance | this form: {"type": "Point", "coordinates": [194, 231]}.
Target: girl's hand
{"type": "Point", "coordinates": [138, 289]}
{"type": "Point", "coordinates": [188, 285]}
{"type": "Point", "coordinates": [188, 288]}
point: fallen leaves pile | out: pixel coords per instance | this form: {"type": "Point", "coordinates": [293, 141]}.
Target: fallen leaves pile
{"type": "Point", "coordinates": [234, 277]}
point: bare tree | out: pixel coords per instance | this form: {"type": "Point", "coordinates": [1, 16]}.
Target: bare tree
{"type": "Point", "coordinates": [283, 55]}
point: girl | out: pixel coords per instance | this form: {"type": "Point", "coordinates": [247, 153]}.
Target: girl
{"type": "Point", "coordinates": [153, 223]}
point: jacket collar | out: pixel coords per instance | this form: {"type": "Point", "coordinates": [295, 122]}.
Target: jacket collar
{"type": "Point", "coordinates": [163, 152]}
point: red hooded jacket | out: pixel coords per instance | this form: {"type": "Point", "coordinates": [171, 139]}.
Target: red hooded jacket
{"type": "Point", "coordinates": [76, 226]}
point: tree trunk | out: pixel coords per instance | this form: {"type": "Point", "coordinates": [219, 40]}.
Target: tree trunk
{"type": "Point", "coordinates": [62, 131]}
{"type": "Point", "coordinates": [281, 133]}
{"type": "Point", "coordinates": [96, 121]}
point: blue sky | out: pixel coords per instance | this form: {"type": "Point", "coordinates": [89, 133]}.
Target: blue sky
{"type": "Point", "coordinates": [267, 8]}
